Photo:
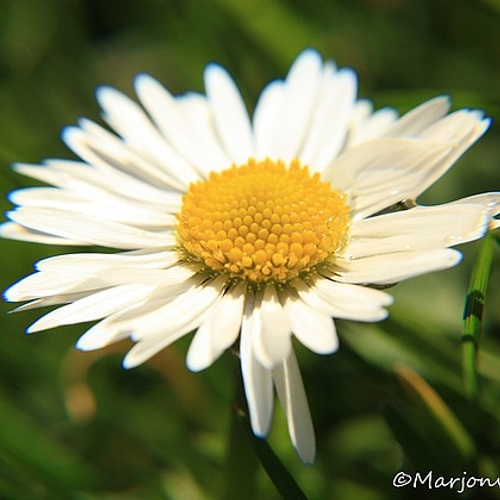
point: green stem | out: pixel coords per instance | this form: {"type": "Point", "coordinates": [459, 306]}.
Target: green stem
{"type": "Point", "coordinates": [274, 468]}
{"type": "Point", "coordinates": [473, 315]}
{"type": "Point", "coordinates": [241, 462]}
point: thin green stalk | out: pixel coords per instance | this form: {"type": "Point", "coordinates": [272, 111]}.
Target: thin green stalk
{"type": "Point", "coordinates": [473, 315]}
{"type": "Point", "coordinates": [274, 468]}
{"type": "Point", "coordinates": [241, 463]}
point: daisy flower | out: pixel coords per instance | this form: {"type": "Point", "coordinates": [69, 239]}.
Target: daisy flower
{"type": "Point", "coordinates": [248, 231]}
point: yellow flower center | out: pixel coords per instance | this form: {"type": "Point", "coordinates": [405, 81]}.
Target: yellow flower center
{"type": "Point", "coordinates": [263, 220]}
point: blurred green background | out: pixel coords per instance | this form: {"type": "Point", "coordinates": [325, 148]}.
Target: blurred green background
{"type": "Point", "coordinates": [76, 425]}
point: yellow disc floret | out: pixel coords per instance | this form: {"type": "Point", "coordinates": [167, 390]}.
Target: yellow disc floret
{"type": "Point", "coordinates": [263, 220]}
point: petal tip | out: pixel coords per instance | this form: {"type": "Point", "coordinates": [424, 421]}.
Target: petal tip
{"type": "Point", "coordinates": [129, 362]}
{"type": "Point", "coordinates": [104, 92]}
{"type": "Point", "coordinates": [36, 327]}
{"type": "Point", "coordinates": [145, 83]}
{"type": "Point", "coordinates": [307, 456]}
{"type": "Point", "coordinates": [83, 345]}
{"type": "Point", "coordinates": [69, 135]}
{"type": "Point", "coordinates": [213, 70]}
{"type": "Point", "coordinates": [195, 364]}
{"type": "Point", "coordinates": [310, 53]}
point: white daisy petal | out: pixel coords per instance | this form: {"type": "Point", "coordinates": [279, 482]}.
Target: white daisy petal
{"type": "Point", "coordinates": [284, 109]}
{"type": "Point", "coordinates": [159, 329]}
{"type": "Point", "coordinates": [380, 173]}
{"type": "Point", "coordinates": [474, 128]}
{"type": "Point", "coordinates": [266, 120]}
{"type": "Point", "coordinates": [92, 307]}
{"type": "Point", "coordinates": [230, 115]}
{"type": "Point", "coordinates": [97, 261]}
{"type": "Point", "coordinates": [312, 328]}
{"type": "Point", "coordinates": [75, 226]}
{"type": "Point", "coordinates": [101, 335]}
{"type": "Point", "coordinates": [116, 327]}
{"type": "Point", "coordinates": [415, 121]}
{"type": "Point", "coordinates": [344, 301]}
{"type": "Point", "coordinates": [108, 153]}
{"type": "Point", "coordinates": [376, 298]}
{"type": "Point", "coordinates": [53, 300]}
{"type": "Point", "coordinates": [106, 207]}
{"type": "Point", "coordinates": [13, 231]}
{"type": "Point", "coordinates": [424, 228]}
{"type": "Point", "coordinates": [391, 268]}
{"type": "Point", "coordinates": [219, 332]}
{"type": "Point", "coordinates": [271, 342]}
{"type": "Point", "coordinates": [446, 139]}
{"type": "Point", "coordinates": [201, 354]}
{"type": "Point", "coordinates": [329, 125]}
{"type": "Point", "coordinates": [166, 293]}
{"type": "Point", "coordinates": [381, 157]}
{"type": "Point", "coordinates": [57, 277]}
{"type": "Point", "coordinates": [293, 399]}
{"type": "Point", "coordinates": [128, 118]}
{"type": "Point", "coordinates": [39, 285]}
{"type": "Point", "coordinates": [147, 348]}
{"type": "Point", "coordinates": [453, 126]}
{"type": "Point", "coordinates": [83, 179]}
{"type": "Point", "coordinates": [165, 111]}
{"type": "Point", "coordinates": [257, 380]}
{"type": "Point", "coordinates": [139, 276]}
{"type": "Point", "coordinates": [372, 126]}
{"type": "Point", "coordinates": [189, 308]}
{"type": "Point", "coordinates": [199, 118]}
{"type": "Point", "coordinates": [330, 306]}
{"type": "Point", "coordinates": [363, 111]}
{"type": "Point", "coordinates": [184, 121]}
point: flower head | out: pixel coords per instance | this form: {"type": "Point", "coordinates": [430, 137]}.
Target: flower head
{"type": "Point", "coordinates": [247, 231]}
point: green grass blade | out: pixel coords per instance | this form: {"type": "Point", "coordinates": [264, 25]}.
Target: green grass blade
{"type": "Point", "coordinates": [473, 315]}
{"type": "Point", "coordinates": [431, 407]}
